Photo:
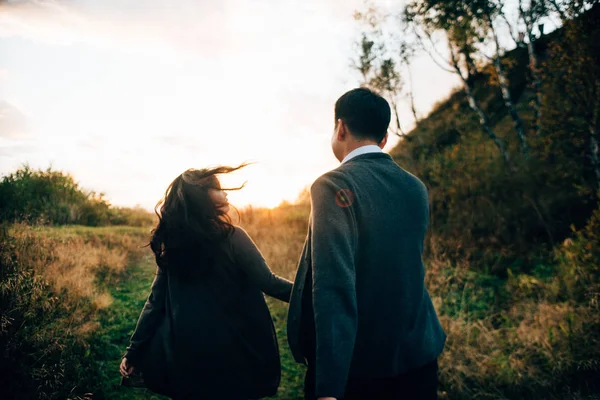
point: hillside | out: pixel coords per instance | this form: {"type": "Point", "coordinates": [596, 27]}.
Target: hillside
{"type": "Point", "coordinates": [482, 209]}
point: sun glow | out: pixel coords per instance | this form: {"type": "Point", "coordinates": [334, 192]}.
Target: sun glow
{"type": "Point", "coordinates": [125, 97]}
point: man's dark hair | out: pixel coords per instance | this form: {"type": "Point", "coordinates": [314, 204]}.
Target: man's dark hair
{"type": "Point", "coordinates": [365, 113]}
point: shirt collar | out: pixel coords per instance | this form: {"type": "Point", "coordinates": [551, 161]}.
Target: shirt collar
{"type": "Point", "coordinates": [370, 148]}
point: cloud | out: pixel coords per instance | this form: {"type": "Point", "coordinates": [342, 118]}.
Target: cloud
{"type": "Point", "coordinates": [132, 26]}
{"type": "Point", "coordinates": [13, 124]}
{"type": "Point", "coordinates": [191, 27]}
{"type": "Point", "coordinates": [173, 140]}
{"type": "Point", "coordinates": [16, 150]}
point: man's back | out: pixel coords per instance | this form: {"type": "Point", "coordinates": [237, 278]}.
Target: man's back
{"type": "Point", "coordinates": [359, 306]}
{"type": "Point", "coordinates": [397, 326]}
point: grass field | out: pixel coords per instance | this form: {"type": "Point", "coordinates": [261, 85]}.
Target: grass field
{"type": "Point", "coordinates": [91, 284]}
{"type": "Point", "coordinates": [118, 320]}
{"type": "Point", "coordinates": [71, 298]}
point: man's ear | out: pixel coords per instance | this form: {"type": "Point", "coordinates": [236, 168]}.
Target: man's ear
{"type": "Point", "coordinates": [384, 141]}
{"type": "Point", "coordinates": [342, 130]}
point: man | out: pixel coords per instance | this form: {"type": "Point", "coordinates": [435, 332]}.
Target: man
{"type": "Point", "coordinates": [360, 315]}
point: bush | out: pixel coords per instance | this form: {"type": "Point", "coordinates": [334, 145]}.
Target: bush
{"type": "Point", "coordinates": [529, 336]}
{"type": "Point", "coordinates": [54, 198]}
{"type": "Point", "coordinates": [135, 216]}
{"type": "Point", "coordinates": [53, 285]}
{"type": "Point", "coordinates": [579, 264]}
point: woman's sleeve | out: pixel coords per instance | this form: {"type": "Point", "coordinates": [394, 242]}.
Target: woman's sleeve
{"type": "Point", "coordinates": [150, 318]}
{"type": "Point", "coordinates": [250, 259]}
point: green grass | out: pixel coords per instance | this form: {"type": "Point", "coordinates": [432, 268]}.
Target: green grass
{"type": "Point", "coordinates": [292, 373]}
{"type": "Point", "coordinates": [117, 323]}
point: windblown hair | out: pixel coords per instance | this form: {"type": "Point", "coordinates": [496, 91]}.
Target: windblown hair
{"type": "Point", "coordinates": [190, 229]}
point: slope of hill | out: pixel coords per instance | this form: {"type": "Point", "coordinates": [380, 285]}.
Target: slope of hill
{"type": "Point", "coordinates": [482, 209]}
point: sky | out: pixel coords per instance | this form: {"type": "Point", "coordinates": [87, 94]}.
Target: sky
{"type": "Point", "coordinates": [125, 95]}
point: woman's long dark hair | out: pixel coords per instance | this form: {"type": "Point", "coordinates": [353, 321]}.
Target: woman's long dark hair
{"type": "Point", "coordinates": [190, 228]}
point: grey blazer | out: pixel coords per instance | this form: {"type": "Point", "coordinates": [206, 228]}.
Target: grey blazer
{"type": "Point", "coordinates": [359, 299]}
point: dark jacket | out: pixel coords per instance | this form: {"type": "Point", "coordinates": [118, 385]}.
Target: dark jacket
{"type": "Point", "coordinates": [362, 273]}
{"type": "Point", "coordinates": [214, 336]}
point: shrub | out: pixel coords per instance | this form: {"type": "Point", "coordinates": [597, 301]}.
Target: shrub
{"type": "Point", "coordinates": [54, 198]}
{"type": "Point", "coordinates": [53, 283]}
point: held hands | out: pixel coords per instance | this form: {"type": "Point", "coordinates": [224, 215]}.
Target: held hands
{"type": "Point", "coordinates": [125, 368]}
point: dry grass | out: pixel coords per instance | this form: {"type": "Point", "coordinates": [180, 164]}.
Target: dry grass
{"type": "Point", "coordinates": [279, 234]}
{"type": "Point", "coordinates": [73, 260]}
{"type": "Point", "coordinates": [523, 337]}
{"type": "Point", "coordinates": [54, 283]}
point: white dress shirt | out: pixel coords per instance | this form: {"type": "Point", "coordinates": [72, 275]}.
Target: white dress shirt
{"type": "Point", "coordinates": [370, 148]}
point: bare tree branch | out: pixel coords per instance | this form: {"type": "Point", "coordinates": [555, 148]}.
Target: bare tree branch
{"type": "Point", "coordinates": [505, 88]}
{"type": "Point", "coordinates": [477, 108]}
{"type": "Point", "coordinates": [533, 64]}
{"type": "Point", "coordinates": [420, 39]}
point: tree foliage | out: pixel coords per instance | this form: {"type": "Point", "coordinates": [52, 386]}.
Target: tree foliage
{"type": "Point", "coordinates": [55, 198]}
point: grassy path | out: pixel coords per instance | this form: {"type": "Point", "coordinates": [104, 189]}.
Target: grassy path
{"type": "Point", "coordinates": [292, 373]}
{"type": "Point", "coordinates": [116, 325]}
{"type": "Point", "coordinates": [118, 321]}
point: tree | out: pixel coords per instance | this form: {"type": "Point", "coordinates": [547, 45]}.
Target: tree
{"type": "Point", "coordinates": [490, 11]}
{"type": "Point", "coordinates": [571, 9]}
{"type": "Point", "coordinates": [574, 71]}
{"type": "Point", "coordinates": [456, 22]}
{"type": "Point", "coordinates": [531, 16]}
{"type": "Point", "coordinates": [379, 71]}
{"type": "Point", "coordinates": [384, 59]}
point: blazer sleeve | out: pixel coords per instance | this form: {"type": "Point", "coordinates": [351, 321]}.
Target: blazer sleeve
{"type": "Point", "coordinates": [150, 318]}
{"type": "Point", "coordinates": [334, 283]}
{"type": "Point", "coordinates": [253, 264]}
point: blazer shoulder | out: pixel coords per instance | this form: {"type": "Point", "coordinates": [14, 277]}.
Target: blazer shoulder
{"type": "Point", "coordinates": [417, 181]}
{"type": "Point", "coordinates": [336, 177]}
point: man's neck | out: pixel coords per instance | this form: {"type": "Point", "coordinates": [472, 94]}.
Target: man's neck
{"type": "Point", "coordinates": [364, 147]}
{"type": "Point", "coordinates": [358, 145]}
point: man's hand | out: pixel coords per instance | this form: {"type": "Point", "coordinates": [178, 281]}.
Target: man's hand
{"type": "Point", "coordinates": [125, 368]}
{"type": "Point", "coordinates": [327, 398]}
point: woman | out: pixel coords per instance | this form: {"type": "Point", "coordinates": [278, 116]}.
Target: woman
{"type": "Point", "coordinates": [205, 331]}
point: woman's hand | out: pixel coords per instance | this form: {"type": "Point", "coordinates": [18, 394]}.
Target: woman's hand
{"type": "Point", "coordinates": [125, 368]}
